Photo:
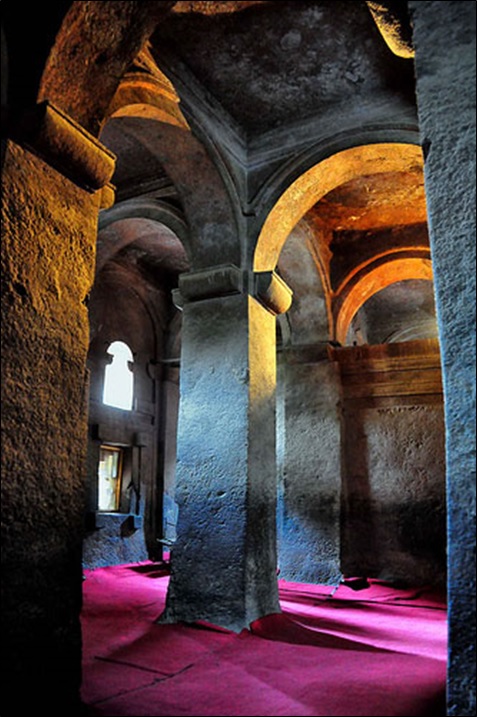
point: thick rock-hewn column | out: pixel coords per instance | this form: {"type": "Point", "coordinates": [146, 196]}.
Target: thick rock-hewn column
{"type": "Point", "coordinates": [310, 467]}
{"type": "Point", "coordinates": [224, 560]}
{"type": "Point", "coordinates": [444, 41]}
{"type": "Point", "coordinates": [49, 220]}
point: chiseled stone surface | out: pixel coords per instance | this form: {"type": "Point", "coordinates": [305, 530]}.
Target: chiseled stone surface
{"type": "Point", "coordinates": [96, 43]}
{"type": "Point", "coordinates": [114, 542]}
{"type": "Point", "coordinates": [225, 466]}
{"type": "Point", "coordinates": [394, 512]}
{"type": "Point", "coordinates": [309, 473]}
{"type": "Point", "coordinates": [330, 53]}
{"type": "Point", "coordinates": [444, 40]}
{"type": "Point", "coordinates": [212, 8]}
{"type": "Point", "coordinates": [48, 235]}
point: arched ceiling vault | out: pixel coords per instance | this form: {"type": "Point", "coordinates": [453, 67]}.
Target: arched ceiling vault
{"type": "Point", "coordinates": [366, 211]}
{"type": "Point", "coordinates": [97, 44]}
{"type": "Point", "coordinates": [170, 152]}
{"type": "Point", "coordinates": [264, 76]}
{"type": "Point", "coordinates": [321, 180]}
{"type": "Point", "coordinates": [147, 242]}
{"type": "Point", "coordinates": [376, 278]}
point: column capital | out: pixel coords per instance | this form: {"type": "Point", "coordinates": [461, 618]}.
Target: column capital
{"type": "Point", "coordinates": [228, 280]}
{"type": "Point", "coordinates": [211, 283]}
{"type": "Point", "coordinates": [54, 136]}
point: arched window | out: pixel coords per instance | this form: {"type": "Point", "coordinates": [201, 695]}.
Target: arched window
{"type": "Point", "coordinates": [118, 377]}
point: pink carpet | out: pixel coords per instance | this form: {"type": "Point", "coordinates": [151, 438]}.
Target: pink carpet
{"type": "Point", "coordinates": [376, 651]}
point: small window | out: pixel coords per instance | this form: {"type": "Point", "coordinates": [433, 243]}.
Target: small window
{"type": "Point", "coordinates": [118, 377]}
{"type": "Point", "coordinates": [109, 478]}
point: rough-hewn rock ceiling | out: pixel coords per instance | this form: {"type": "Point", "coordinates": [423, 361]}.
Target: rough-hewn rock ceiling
{"type": "Point", "coordinates": [376, 201]}
{"type": "Point", "coordinates": [278, 62]}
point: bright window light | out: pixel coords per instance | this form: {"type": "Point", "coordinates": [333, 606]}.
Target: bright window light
{"type": "Point", "coordinates": [109, 478]}
{"type": "Point", "coordinates": [118, 377]}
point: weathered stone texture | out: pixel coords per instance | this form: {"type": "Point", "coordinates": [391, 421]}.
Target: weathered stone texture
{"type": "Point", "coordinates": [394, 494]}
{"type": "Point", "coordinates": [309, 473]}
{"type": "Point", "coordinates": [444, 40]}
{"type": "Point", "coordinates": [225, 466]}
{"type": "Point", "coordinates": [97, 43]}
{"type": "Point", "coordinates": [326, 63]}
{"type": "Point", "coordinates": [114, 543]}
{"type": "Point", "coordinates": [212, 8]}
{"type": "Point", "coordinates": [48, 233]}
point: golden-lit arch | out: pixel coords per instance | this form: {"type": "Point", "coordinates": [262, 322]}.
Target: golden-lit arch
{"type": "Point", "coordinates": [375, 280]}
{"type": "Point", "coordinates": [147, 96]}
{"type": "Point", "coordinates": [321, 179]}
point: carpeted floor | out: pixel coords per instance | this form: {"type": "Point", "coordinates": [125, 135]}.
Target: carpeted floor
{"type": "Point", "coordinates": [376, 651]}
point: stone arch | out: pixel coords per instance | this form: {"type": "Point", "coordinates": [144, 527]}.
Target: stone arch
{"type": "Point", "coordinates": [97, 42]}
{"type": "Point", "coordinates": [210, 213]}
{"type": "Point", "coordinates": [146, 92]}
{"type": "Point", "coordinates": [373, 280]}
{"type": "Point", "coordinates": [167, 219]}
{"type": "Point", "coordinates": [337, 168]}
{"type": "Point", "coordinates": [111, 38]}
{"type": "Point", "coordinates": [148, 208]}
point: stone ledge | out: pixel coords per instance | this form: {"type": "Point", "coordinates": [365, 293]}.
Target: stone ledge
{"type": "Point", "coordinates": [224, 280]}
{"type": "Point", "coordinates": [228, 280]}
{"type": "Point", "coordinates": [55, 137]}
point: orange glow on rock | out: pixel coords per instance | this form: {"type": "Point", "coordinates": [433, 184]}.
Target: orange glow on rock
{"type": "Point", "coordinates": [375, 280]}
{"type": "Point", "coordinates": [320, 180]}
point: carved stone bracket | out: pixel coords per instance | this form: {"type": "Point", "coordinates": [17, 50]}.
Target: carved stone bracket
{"type": "Point", "coordinates": [226, 280]}
{"type": "Point", "coordinates": [63, 143]}
{"type": "Point", "coordinates": [272, 292]}
{"type": "Point", "coordinates": [213, 283]}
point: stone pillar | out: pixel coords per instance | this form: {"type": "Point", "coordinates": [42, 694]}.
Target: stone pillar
{"type": "Point", "coordinates": [224, 561]}
{"type": "Point", "coordinates": [310, 468]}
{"type": "Point", "coordinates": [444, 40]}
{"type": "Point", "coordinates": [49, 220]}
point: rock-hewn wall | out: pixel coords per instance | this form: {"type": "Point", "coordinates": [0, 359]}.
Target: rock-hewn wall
{"type": "Point", "coordinates": [394, 518]}
{"type": "Point", "coordinates": [444, 40]}
{"type": "Point", "coordinates": [393, 473]}
{"type": "Point", "coordinates": [309, 472]}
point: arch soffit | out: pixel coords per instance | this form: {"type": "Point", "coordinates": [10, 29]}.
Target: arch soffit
{"type": "Point", "coordinates": [147, 208]}
{"type": "Point", "coordinates": [297, 198]}
{"type": "Point", "coordinates": [145, 91]}
{"type": "Point", "coordinates": [128, 280]}
{"type": "Point", "coordinates": [123, 219]}
{"type": "Point", "coordinates": [389, 271]}
{"type": "Point", "coordinates": [208, 207]}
